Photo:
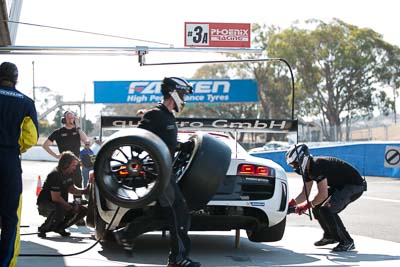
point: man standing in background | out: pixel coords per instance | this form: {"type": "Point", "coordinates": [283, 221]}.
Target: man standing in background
{"type": "Point", "coordinates": [85, 156]}
{"type": "Point", "coordinates": [18, 133]}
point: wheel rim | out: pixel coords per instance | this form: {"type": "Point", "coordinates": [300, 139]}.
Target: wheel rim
{"type": "Point", "coordinates": [129, 172]}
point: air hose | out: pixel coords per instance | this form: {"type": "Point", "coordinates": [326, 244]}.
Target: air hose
{"type": "Point", "coordinates": [71, 254]}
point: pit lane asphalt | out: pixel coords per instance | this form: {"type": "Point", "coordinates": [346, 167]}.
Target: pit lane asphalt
{"type": "Point", "coordinates": [213, 249]}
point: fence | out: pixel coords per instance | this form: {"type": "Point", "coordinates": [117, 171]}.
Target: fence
{"type": "Point", "coordinates": [390, 132]}
{"type": "Point", "coordinates": [367, 157]}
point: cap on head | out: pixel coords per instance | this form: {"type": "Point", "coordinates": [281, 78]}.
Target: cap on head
{"type": "Point", "coordinates": [176, 88]}
{"type": "Point", "coordinates": [8, 72]}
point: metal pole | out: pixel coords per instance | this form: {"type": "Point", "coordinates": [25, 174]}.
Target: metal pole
{"type": "Point", "coordinates": [394, 105]}
{"type": "Point", "coordinates": [33, 80]}
{"type": "Point", "coordinates": [84, 112]}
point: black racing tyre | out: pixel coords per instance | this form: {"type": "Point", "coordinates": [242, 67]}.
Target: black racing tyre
{"type": "Point", "coordinates": [132, 168]}
{"type": "Point", "coordinates": [100, 226]}
{"type": "Point", "coordinates": [267, 234]}
{"type": "Point", "coordinates": [205, 170]}
{"type": "Point", "coordinates": [90, 207]}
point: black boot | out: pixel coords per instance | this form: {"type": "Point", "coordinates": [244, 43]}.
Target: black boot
{"type": "Point", "coordinates": [186, 262]}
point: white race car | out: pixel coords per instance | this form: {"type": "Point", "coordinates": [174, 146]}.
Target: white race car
{"type": "Point", "coordinates": [225, 187]}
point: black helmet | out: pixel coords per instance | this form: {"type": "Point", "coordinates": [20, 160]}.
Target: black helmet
{"type": "Point", "coordinates": [8, 72]}
{"type": "Point", "coordinates": [176, 88]}
{"type": "Point", "coordinates": [297, 156]}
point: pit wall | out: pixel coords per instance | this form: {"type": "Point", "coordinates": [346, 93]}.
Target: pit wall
{"type": "Point", "coordinates": [368, 158]}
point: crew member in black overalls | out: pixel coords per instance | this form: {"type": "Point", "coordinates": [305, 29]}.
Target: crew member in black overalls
{"type": "Point", "coordinates": [18, 132]}
{"type": "Point", "coordinates": [338, 185]}
{"type": "Point", "coordinates": [53, 198]}
{"type": "Point", "coordinates": [172, 206]}
{"type": "Point", "coordinates": [68, 138]}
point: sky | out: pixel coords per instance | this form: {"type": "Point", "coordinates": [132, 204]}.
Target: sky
{"type": "Point", "coordinates": [161, 22]}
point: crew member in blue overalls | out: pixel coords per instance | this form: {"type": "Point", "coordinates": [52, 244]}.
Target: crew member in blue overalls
{"type": "Point", "coordinates": [18, 132]}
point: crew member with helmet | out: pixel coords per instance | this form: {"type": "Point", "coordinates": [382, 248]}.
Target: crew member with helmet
{"type": "Point", "coordinates": [338, 184]}
{"type": "Point", "coordinates": [171, 205]}
{"type": "Point", "coordinates": [68, 138]}
{"type": "Point", "coordinates": [53, 198]}
{"type": "Point", "coordinates": [18, 133]}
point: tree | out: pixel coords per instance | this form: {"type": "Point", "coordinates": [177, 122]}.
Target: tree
{"type": "Point", "coordinates": [273, 77]}
{"type": "Point", "coordinates": [339, 69]}
{"type": "Point", "coordinates": [124, 109]}
{"type": "Point", "coordinates": [222, 110]}
{"type": "Point", "coordinates": [229, 110]}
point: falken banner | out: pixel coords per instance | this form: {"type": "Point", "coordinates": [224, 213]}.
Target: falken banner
{"type": "Point", "coordinates": [204, 91]}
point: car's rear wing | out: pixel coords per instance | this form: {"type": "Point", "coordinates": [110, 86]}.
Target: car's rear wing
{"type": "Point", "coordinates": [209, 124]}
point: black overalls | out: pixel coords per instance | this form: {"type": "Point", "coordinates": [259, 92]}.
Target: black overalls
{"type": "Point", "coordinates": [345, 186]}
{"type": "Point", "coordinates": [171, 206]}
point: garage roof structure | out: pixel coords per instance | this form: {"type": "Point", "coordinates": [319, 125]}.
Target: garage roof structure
{"type": "Point", "coordinates": [9, 11]}
{"type": "Point", "coordinates": [5, 38]}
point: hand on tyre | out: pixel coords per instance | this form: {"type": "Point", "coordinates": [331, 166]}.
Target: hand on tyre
{"type": "Point", "coordinates": [74, 208]}
{"type": "Point", "coordinates": [91, 176]}
{"type": "Point", "coordinates": [300, 209]}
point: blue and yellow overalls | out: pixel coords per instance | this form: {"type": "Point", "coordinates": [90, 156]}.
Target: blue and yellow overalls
{"type": "Point", "coordinates": [18, 132]}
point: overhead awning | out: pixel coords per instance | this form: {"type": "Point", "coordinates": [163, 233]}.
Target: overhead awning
{"type": "Point", "coordinates": [5, 39]}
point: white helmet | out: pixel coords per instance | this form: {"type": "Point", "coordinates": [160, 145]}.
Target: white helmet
{"type": "Point", "coordinates": [177, 88]}
{"type": "Point", "coordinates": [297, 156]}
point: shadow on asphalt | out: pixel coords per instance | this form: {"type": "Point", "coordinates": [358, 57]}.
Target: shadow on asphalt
{"type": "Point", "coordinates": [219, 251]}
{"type": "Point", "coordinates": [212, 250]}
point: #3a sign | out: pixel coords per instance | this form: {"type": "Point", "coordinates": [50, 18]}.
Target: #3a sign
{"type": "Point", "coordinates": [204, 91]}
{"type": "Point", "coordinates": [205, 34]}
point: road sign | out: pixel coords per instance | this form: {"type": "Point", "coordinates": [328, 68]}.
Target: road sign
{"type": "Point", "coordinates": [204, 34]}
{"type": "Point", "coordinates": [392, 157]}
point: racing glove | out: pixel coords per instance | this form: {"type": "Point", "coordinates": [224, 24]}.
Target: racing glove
{"type": "Point", "coordinates": [291, 206]}
{"type": "Point", "coordinates": [300, 209]}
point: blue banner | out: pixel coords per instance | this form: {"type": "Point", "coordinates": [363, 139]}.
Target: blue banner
{"type": "Point", "coordinates": [205, 91]}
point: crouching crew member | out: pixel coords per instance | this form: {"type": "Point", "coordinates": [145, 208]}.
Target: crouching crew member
{"type": "Point", "coordinates": [53, 199]}
{"type": "Point", "coordinates": [338, 185]}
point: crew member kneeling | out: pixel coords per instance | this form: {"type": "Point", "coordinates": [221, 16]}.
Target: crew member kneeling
{"type": "Point", "coordinates": [53, 199]}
